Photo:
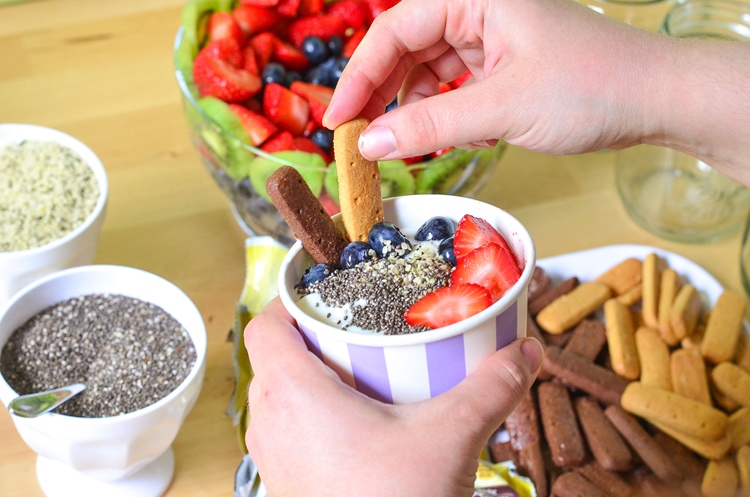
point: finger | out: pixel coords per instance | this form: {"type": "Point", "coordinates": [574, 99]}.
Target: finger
{"type": "Point", "coordinates": [457, 117]}
{"type": "Point", "coordinates": [489, 394]}
{"type": "Point", "coordinates": [273, 329]}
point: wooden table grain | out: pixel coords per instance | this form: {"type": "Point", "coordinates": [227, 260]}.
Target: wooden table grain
{"type": "Point", "coordinates": [101, 70]}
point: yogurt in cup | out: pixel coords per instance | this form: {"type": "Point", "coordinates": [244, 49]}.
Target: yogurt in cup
{"type": "Point", "coordinates": [408, 368]}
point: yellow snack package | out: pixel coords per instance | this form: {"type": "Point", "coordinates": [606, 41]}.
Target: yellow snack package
{"type": "Point", "coordinates": [501, 480]}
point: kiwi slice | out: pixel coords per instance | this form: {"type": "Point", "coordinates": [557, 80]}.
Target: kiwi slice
{"type": "Point", "coordinates": [440, 174]}
{"type": "Point", "coordinates": [395, 178]}
{"type": "Point", "coordinates": [229, 152]}
{"type": "Point", "coordinates": [311, 167]}
{"type": "Point", "coordinates": [194, 15]}
{"type": "Point", "coordinates": [331, 182]}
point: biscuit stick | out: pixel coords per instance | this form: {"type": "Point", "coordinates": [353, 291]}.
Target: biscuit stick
{"type": "Point", "coordinates": [359, 182]}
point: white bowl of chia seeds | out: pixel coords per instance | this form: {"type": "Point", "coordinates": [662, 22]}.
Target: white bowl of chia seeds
{"type": "Point", "coordinates": [53, 197]}
{"type": "Point", "coordinates": [137, 342]}
{"type": "Point", "coordinates": [405, 368]}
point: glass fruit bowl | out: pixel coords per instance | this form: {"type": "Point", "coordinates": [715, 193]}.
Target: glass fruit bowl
{"type": "Point", "coordinates": [240, 162]}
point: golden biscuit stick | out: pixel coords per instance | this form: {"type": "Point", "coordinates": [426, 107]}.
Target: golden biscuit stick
{"type": "Point", "coordinates": [732, 381]}
{"type": "Point", "coordinates": [632, 296]}
{"type": "Point", "coordinates": [743, 469]}
{"type": "Point", "coordinates": [651, 281]}
{"type": "Point", "coordinates": [724, 327]}
{"type": "Point", "coordinates": [360, 196]}
{"type": "Point", "coordinates": [673, 410]}
{"type": "Point", "coordinates": [621, 340]}
{"type": "Point", "coordinates": [686, 309]}
{"type": "Point", "coordinates": [622, 276]}
{"type": "Point", "coordinates": [721, 478]}
{"type": "Point", "coordinates": [569, 309]}
{"type": "Point", "coordinates": [742, 355]}
{"type": "Point", "coordinates": [670, 286]}
{"type": "Point", "coordinates": [739, 428]}
{"type": "Point", "coordinates": [688, 373]}
{"type": "Point", "coordinates": [653, 356]}
{"type": "Point", "coordinates": [709, 450]}
{"type": "Point", "coordinates": [722, 401]}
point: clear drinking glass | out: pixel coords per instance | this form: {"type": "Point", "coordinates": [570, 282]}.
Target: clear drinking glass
{"type": "Point", "coordinates": [645, 14]}
{"type": "Point", "coordinates": [673, 195]}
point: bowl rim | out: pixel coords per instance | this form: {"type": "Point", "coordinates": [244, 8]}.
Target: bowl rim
{"type": "Point", "coordinates": [429, 336]}
{"type": "Point", "coordinates": [19, 132]}
{"type": "Point", "coordinates": [200, 345]}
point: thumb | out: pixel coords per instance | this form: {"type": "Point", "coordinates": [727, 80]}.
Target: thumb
{"type": "Point", "coordinates": [489, 394]}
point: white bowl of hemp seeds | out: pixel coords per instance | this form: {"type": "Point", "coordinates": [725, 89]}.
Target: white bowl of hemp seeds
{"type": "Point", "coordinates": [53, 196]}
{"type": "Point", "coordinates": [137, 342]}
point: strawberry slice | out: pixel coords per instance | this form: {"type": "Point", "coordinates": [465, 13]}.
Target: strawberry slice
{"type": "Point", "coordinates": [352, 42]}
{"type": "Point", "coordinates": [310, 7]}
{"type": "Point", "coordinates": [254, 19]}
{"type": "Point", "coordinates": [264, 44]}
{"type": "Point", "coordinates": [258, 127]}
{"type": "Point", "coordinates": [249, 60]}
{"type": "Point", "coordinates": [473, 232]}
{"type": "Point", "coordinates": [222, 25]}
{"type": "Point", "coordinates": [288, 8]}
{"type": "Point", "coordinates": [377, 7]}
{"type": "Point", "coordinates": [286, 109]}
{"type": "Point", "coordinates": [324, 26]}
{"type": "Point", "coordinates": [260, 3]}
{"type": "Point", "coordinates": [461, 79]}
{"type": "Point", "coordinates": [354, 12]}
{"type": "Point", "coordinates": [318, 96]}
{"type": "Point", "coordinates": [224, 81]}
{"type": "Point", "coordinates": [307, 145]}
{"type": "Point", "coordinates": [290, 56]}
{"type": "Point", "coordinates": [448, 305]}
{"type": "Point", "coordinates": [490, 266]}
{"type": "Point", "coordinates": [226, 49]}
{"type": "Point", "coordinates": [283, 140]}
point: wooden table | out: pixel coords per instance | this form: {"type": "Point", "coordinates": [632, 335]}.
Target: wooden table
{"type": "Point", "coordinates": [101, 70]}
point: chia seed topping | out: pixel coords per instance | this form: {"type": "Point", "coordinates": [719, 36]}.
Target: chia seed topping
{"type": "Point", "coordinates": [46, 191]}
{"type": "Point", "coordinates": [389, 285]}
{"type": "Point", "coordinates": [129, 353]}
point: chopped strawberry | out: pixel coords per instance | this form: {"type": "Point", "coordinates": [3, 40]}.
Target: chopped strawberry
{"type": "Point", "coordinates": [310, 7]}
{"type": "Point", "coordinates": [329, 204]}
{"type": "Point", "coordinates": [448, 305]}
{"type": "Point", "coordinates": [352, 42]}
{"type": "Point", "coordinates": [253, 19]}
{"type": "Point", "coordinates": [318, 96]}
{"type": "Point", "coordinates": [288, 8]}
{"type": "Point", "coordinates": [461, 79]}
{"type": "Point", "coordinates": [220, 79]}
{"type": "Point", "coordinates": [440, 152]}
{"type": "Point", "coordinates": [354, 12]}
{"type": "Point", "coordinates": [444, 87]}
{"type": "Point", "coordinates": [286, 109]}
{"type": "Point", "coordinates": [283, 140]}
{"type": "Point", "coordinates": [226, 49]}
{"type": "Point", "coordinates": [307, 145]}
{"type": "Point", "coordinates": [377, 7]}
{"type": "Point", "coordinates": [258, 127]}
{"type": "Point", "coordinates": [473, 232]}
{"type": "Point", "coordinates": [249, 60]}
{"type": "Point", "coordinates": [490, 266]}
{"type": "Point", "coordinates": [222, 25]}
{"type": "Point", "coordinates": [264, 45]}
{"type": "Point", "coordinates": [290, 56]}
{"type": "Point", "coordinates": [309, 128]}
{"type": "Point", "coordinates": [325, 26]}
{"type": "Point", "coordinates": [260, 3]}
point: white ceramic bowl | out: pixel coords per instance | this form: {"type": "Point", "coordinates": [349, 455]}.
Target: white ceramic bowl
{"type": "Point", "coordinates": [19, 268]}
{"type": "Point", "coordinates": [121, 455]}
{"type": "Point", "coordinates": [409, 368]}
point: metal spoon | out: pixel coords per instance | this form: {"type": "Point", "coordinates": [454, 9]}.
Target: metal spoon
{"type": "Point", "coordinates": [36, 404]}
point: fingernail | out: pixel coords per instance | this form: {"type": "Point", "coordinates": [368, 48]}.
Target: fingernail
{"type": "Point", "coordinates": [377, 142]}
{"type": "Point", "coordinates": [533, 351]}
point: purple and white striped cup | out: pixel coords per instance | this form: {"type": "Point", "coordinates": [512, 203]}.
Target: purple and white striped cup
{"type": "Point", "coordinates": [408, 368]}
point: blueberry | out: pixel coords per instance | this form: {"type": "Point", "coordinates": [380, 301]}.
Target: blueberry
{"type": "Point", "coordinates": [354, 253]}
{"type": "Point", "coordinates": [316, 273]}
{"type": "Point", "coordinates": [392, 105]}
{"type": "Point", "coordinates": [315, 49]}
{"type": "Point", "coordinates": [323, 138]}
{"type": "Point", "coordinates": [338, 68]}
{"type": "Point", "coordinates": [319, 76]}
{"type": "Point", "coordinates": [274, 73]}
{"type": "Point", "coordinates": [445, 250]}
{"type": "Point", "coordinates": [335, 45]}
{"type": "Point", "coordinates": [436, 228]}
{"type": "Point", "coordinates": [385, 237]}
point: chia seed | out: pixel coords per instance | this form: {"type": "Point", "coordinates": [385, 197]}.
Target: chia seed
{"type": "Point", "coordinates": [129, 353]}
{"type": "Point", "coordinates": [46, 191]}
{"type": "Point", "coordinates": [390, 285]}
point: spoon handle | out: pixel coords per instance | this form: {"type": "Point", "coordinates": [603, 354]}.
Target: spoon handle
{"type": "Point", "coordinates": [36, 404]}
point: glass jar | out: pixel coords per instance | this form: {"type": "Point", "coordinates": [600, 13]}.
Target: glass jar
{"type": "Point", "coordinates": [673, 195]}
{"type": "Point", "coordinates": [645, 14]}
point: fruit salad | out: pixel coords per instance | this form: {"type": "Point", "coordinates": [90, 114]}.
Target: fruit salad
{"type": "Point", "coordinates": [257, 77]}
{"type": "Point", "coordinates": [393, 284]}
